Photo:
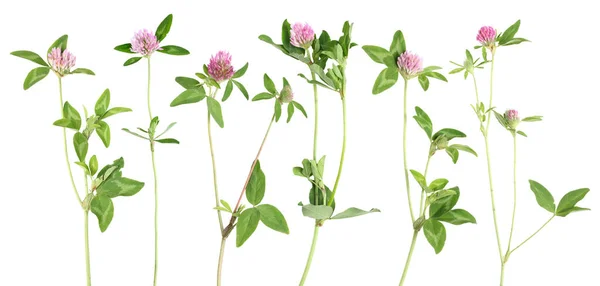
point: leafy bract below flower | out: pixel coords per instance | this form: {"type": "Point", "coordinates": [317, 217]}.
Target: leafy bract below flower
{"type": "Point", "coordinates": [145, 43]}
{"type": "Point", "coordinates": [302, 35]}
{"type": "Point", "coordinates": [287, 94]}
{"type": "Point", "coordinates": [487, 36]}
{"type": "Point", "coordinates": [410, 64]}
{"type": "Point", "coordinates": [219, 67]}
{"type": "Point", "coordinates": [61, 61]}
{"type": "Point", "coordinates": [512, 117]}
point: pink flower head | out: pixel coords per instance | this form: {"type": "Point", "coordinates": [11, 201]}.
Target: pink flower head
{"type": "Point", "coordinates": [219, 67]}
{"type": "Point", "coordinates": [410, 64]}
{"type": "Point", "coordinates": [287, 94]}
{"type": "Point", "coordinates": [145, 43]}
{"type": "Point", "coordinates": [61, 61]}
{"type": "Point", "coordinates": [512, 116]}
{"type": "Point", "coordinates": [486, 36]}
{"type": "Point", "coordinates": [302, 35]}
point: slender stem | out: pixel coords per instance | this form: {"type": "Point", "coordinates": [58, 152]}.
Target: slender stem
{"type": "Point", "coordinates": [412, 216]}
{"type": "Point", "coordinates": [237, 205]}
{"type": "Point", "coordinates": [421, 203]}
{"type": "Point", "coordinates": [149, 108]}
{"type": "Point", "coordinates": [87, 248]}
{"type": "Point", "coordinates": [476, 91]}
{"type": "Point", "coordinates": [512, 225]}
{"type": "Point", "coordinates": [502, 273]}
{"type": "Point", "coordinates": [155, 217]}
{"type": "Point", "coordinates": [339, 174]}
{"type": "Point", "coordinates": [65, 144]}
{"type": "Point", "coordinates": [316, 117]}
{"type": "Point", "coordinates": [214, 167]}
{"type": "Point", "coordinates": [220, 265]}
{"type": "Point", "coordinates": [489, 164]}
{"type": "Point", "coordinates": [531, 236]}
{"type": "Point", "coordinates": [409, 257]}
{"type": "Point", "coordinates": [310, 255]}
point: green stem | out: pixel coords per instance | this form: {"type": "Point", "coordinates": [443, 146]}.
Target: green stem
{"type": "Point", "coordinates": [502, 273]}
{"type": "Point", "coordinates": [531, 236]}
{"type": "Point", "coordinates": [339, 174]}
{"type": "Point", "coordinates": [87, 249]}
{"type": "Point", "coordinates": [421, 203]}
{"type": "Point", "coordinates": [412, 216]}
{"type": "Point", "coordinates": [409, 257]}
{"type": "Point", "coordinates": [220, 265]}
{"type": "Point", "coordinates": [310, 255]}
{"type": "Point", "coordinates": [149, 108]}
{"type": "Point", "coordinates": [214, 167]}
{"type": "Point", "coordinates": [316, 117]}
{"type": "Point", "coordinates": [155, 217]}
{"type": "Point", "coordinates": [512, 225]}
{"type": "Point", "coordinates": [65, 144]}
{"type": "Point", "coordinates": [489, 164]}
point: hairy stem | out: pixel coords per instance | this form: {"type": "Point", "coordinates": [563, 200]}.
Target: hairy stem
{"type": "Point", "coordinates": [412, 215]}
{"type": "Point", "coordinates": [60, 92]}
{"type": "Point", "coordinates": [409, 257]}
{"type": "Point", "coordinates": [310, 255]}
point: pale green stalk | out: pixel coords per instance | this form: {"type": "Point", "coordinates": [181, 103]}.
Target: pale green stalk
{"type": "Point", "coordinates": [412, 216]}
{"type": "Point", "coordinates": [512, 225]}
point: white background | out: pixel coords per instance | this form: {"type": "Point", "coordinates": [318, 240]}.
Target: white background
{"type": "Point", "coordinates": [41, 226]}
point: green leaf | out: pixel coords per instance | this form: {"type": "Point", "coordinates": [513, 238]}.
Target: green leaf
{"type": "Point", "coordinates": [34, 76]}
{"type": "Point", "coordinates": [522, 133]}
{"type": "Point", "coordinates": [515, 41]}
{"type": "Point", "coordinates": [134, 134]}
{"type": "Point", "coordinates": [81, 146]}
{"type": "Point", "coordinates": [189, 96]}
{"type": "Point", "coordinates": [125, 48]}
{"type": "Point", "coordinates": [102, 103]}
{"type": "Point", "coordinates": [290, 112]}
{"type": "Point", "coordinates": [353, 212]}
{"type": "Point", "coordinates": [93, 165]}
{"type": "Point", "coordinates": [214, 108]}
{"type": "Point", "coordinates": [167, 129]}
{"type": "Point", "coordinates": [532, 118]}
{"type": "Point", "coordinates": [543, 197]}
{"type": "Point", "coordinates": [226, 205]}
{"type": "Point", "coordinates": [386, 79]}
{"type": "Point", "coordinates": [315, 196]}
{"type": "Point", "coordinates": [398, 45]}
{"type": "Point", "coordinates": [300, 107]}
{"type": "Point", "coordinates": [239, 73]}
{"type": "Point", "coordinates": [317, 212]}
{"type": "Point", "coordinates": [277, 110]}
{"type": "Point", "coordinates": [569, 200]}
{"type": "Point", "coordinates": [131, 61]}
{"type": "Point", "coordinates": [71, 118]}
{"type": "Point", "coordinates": [285, 40]}
{"type": "Point", "coordinates": [164, 27]}
{"type": "Point", "coordinates": [228, 90]}
{"type": "Point", "coordinates": [84, 166]}
{"type": "Point", "coordinates": [419, 178]}
{"type": "Point", "coordinates": [377, 54]}
{"type": "Point", "coordinates": [463, 148]}
{"type": "Point", "coordinates": [104, 133]}
{"type": "Point", "coordinates": [83, 71]}
{"type": "Point", "coordinates": [456, 70]}
{"type": "Point", "coordinates": [457, 217]}
{"type": "Point", "coordinates": [173, 50]}
{"type": "Point", "coordinates": [424, 121]}
{"type": "Point", "coordinates": [424, 82]}
{"type": "Point", "coordinates": [438, 184]}
{"type": "Point", "coordinates": [115, 110]}
{"type": "Point", "coordinates": [263, 96]}
{"type": "Point", "coordinates": [509, 34]}
{"type": "Point", "coordinates": [102, 207]}
{"type": "Point", "coordinates": [449, 133]}
{"type": "Point", "coordinates": [246, 225]}
{"type": "Point", "coordinates": [321, 73]}
{"type": "Point", "coordinates": [269, 85]}
{"type": "Point", "coordinates": [59, 43]}
{"type": "Point", "coordinates": [444, 204]}
{"type": "Point", "coordinates": [120, 186]}
{"type": "Point", "coordinates": [273, 218]}
{"type": "Point", "coordinates": [167, 141]}
{"type": "Point", "coordinates": [435, 232]}
{"type": "Point", "coordinates": [186, 82]}
{"type": "Point", "coordinates": [436, 75]}
{"type": "Point", "coordinates": [268, 40]}
{"type": "Point", "coordinates": [255, 191]}
{"type": "Point", "coordinates": [453, 153]}
{"type": "Point", "coordinates": [30, 56]}
{"type": "Point", "coordinates": [298, 171]}
{"type": "Point", "coordinates": [241, 88]}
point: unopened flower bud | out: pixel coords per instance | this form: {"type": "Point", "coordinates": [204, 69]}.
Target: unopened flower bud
{"type": "Point", "coordinates": [286, 94]}
{"type": "Point", "coordinates": [512, 117]}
